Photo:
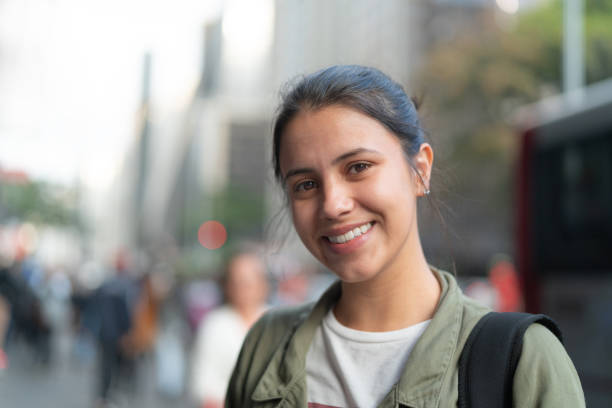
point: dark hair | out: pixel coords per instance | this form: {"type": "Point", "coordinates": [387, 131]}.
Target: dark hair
{"type": "Point", "coordinates": [365, 89]}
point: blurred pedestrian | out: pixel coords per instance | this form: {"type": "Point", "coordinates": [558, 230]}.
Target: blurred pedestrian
{"type": "Point", "coordinates": [27, 321]}
{"type": "Point", "coordinates": [141, 337]}
{"type": "Point", "coordinates": [220, 335]}
{"type": "Point", "coordinates": [504, 278]}
{"type": "Point", "coordinates": [108, 317]}
{"type": "Point", "coordinates": [5, 315]}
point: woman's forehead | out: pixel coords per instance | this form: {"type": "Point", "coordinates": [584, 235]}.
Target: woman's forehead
{"type": "Point", "coordinates": [332, 131]}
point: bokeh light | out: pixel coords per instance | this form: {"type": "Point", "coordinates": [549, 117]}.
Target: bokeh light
{"type": "Point", "coordinates": [212, 235]}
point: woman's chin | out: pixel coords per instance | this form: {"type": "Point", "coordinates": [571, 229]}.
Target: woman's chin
{"type": "Point", "coordinates": [354, 275]}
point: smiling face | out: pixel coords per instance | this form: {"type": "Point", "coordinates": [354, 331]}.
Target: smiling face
{"type": "Point", "coordinates": [352, 192]}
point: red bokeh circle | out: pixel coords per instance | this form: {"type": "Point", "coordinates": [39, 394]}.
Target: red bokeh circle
{"type": "Point", "coordinates": [212, 235]}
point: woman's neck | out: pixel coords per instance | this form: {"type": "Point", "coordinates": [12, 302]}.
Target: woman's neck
{"type": "Point", "coordinates": [392, 300]}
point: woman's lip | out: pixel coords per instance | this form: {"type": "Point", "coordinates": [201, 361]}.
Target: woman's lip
{"type": "Point", "coordinates": [348, 246]}
{"type": "Point", "coordinates": [332, 232]}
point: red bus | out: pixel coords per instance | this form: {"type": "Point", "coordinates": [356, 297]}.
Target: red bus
{"type": "Point", "coordinates": [564, 226]}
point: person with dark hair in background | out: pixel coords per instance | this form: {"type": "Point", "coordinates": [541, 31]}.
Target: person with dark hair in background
{"type": "Point", "coordinates": [351, 156]}
{"type": "Point", "coordinates": [220, 335]}
{"type": "Point", "coordinates": [108, 318]}
{"type": "Point", "coordinates": [23, 318]}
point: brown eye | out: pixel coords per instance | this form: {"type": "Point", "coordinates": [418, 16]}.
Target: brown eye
{"type": "Point", "coordinates": [358, 167]}
{"type": "Point", "coordinates": [305, 185]}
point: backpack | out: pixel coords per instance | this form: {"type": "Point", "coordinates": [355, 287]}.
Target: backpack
{"type": "Point", "coordinates": [490, 356]}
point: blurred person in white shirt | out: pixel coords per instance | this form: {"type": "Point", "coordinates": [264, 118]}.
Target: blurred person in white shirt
{"type": "Point", "coordinates": [220, 335]}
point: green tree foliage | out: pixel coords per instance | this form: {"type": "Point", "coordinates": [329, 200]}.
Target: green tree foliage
{"type": "Point", "coordinates": [475, 81]}
{"type": "Point", "coordinates": [544, 27]}
{"type": "Point", "coordinates": [598, 34]}
{"type": "Point", "coordinates": [39, 203]}
{"type": "Point", "coordinates": [240, 210]}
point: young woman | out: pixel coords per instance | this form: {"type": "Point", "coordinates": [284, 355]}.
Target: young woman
{"type": "Point", "coordinates": [351, 157]}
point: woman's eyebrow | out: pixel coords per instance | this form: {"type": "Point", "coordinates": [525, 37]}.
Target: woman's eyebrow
{"type": "Point", "coordinates": [353, 153]}
{"type": "Point", "coordinates": [294, 172]}
{"type": "Point", "coordinates": [343, 156]}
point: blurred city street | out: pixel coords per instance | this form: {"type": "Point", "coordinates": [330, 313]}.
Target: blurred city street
{"type": "Point", "coordinates": [135, 162]}
{"type": "Point", "coordinates": [69, 382]}
{"type": "Point", "coordinates": [64, 384]}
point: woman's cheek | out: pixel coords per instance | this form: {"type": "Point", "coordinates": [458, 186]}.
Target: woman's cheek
{"type": "Point", "coordinates": [302, 218]}
{"type": "Point", "coordinates": [376, 193]}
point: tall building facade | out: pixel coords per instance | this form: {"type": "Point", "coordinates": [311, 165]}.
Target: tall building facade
{"type": "Point", "coordinates": [222, 136]}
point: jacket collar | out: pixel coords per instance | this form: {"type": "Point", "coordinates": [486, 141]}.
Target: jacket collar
{"type": "Point", "coordinates": [287, 368]}
{"type": "Point", "coordinates": [421, 382]}
{"type": "Point", "coordinates": [429, 363]}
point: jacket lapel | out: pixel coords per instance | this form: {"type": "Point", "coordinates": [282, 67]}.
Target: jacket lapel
{"type": "Point", "coordinates": [285, 376]}
{"type": "Point", "coordinates": [430, 361]}
{"type": "Point", "coordinates": [420, 385]}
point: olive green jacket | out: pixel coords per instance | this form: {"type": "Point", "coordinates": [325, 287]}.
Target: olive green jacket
{"type": "Point", "coordinates": [270, 371]}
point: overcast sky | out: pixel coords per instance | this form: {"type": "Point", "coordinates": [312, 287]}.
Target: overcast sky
{"type": "Point", "coordinates": [71, 75]}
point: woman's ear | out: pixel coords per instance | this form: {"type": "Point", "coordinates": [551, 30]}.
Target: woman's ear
{"type": "Point", "coordinates": [423, 163]}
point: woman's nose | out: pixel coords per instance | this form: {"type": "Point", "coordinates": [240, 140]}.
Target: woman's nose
{"type": "Point", "coordinates": [337, 200]}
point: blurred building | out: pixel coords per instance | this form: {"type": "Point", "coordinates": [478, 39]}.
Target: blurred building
{"type": "Point", "coordinates": [167, 116]}
{"type": "Point", "coordinates": [219, 138]}
{"type": "Point", "coordinates": [314, 34]}
{"type": "Point", "coordinates": [200, 148]}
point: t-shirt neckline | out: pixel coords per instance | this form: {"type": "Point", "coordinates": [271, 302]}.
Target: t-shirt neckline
{"type": "Point", "coordinates": [361, 336]}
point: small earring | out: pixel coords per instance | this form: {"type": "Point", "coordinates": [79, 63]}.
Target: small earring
{"type": "Point", "coordinates": [427, 191]}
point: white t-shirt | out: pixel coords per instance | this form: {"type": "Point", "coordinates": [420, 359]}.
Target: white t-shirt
{"type": "Point", "coordinates": [353, 368]}
{"type": "Point", "coordinates": [217, 345]}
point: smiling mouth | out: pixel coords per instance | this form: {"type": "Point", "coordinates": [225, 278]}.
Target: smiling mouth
{"type": "Point", "coordinates": [352, 234]}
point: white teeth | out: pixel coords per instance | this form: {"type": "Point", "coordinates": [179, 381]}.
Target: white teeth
{"type": "Point", "coordinates": [341, 239]}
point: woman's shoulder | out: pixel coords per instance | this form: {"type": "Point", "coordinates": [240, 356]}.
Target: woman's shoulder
{"type": "Point", "coordinates": [545, 375]}
{"type": "Point", "coordinates": [221, 318]}
{"type": "Point", "coordinates": [542, 349]}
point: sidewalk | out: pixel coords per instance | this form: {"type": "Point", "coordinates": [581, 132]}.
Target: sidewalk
{"type": "Point", "coordinates": [68, 382]}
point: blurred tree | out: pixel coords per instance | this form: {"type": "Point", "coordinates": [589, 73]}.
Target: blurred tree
{"type": "Point", "coordinates": [240, 210]}
{"type": "Point", "coordinates": [39, 203]}
{"type": "Point", "coordinates": [598, 29]}
{"type": "Point", "coordinates": [473, 82]}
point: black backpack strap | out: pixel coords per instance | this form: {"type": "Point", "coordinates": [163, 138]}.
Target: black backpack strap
{"type": "Point", "coordinates": [490, 356]}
